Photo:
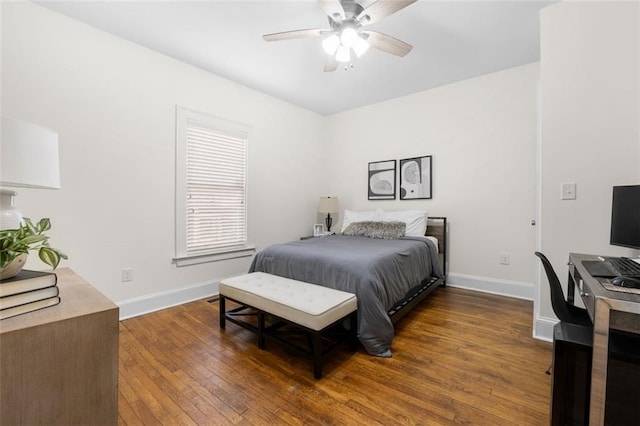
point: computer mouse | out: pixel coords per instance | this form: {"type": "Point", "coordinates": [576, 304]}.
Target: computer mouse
{"type": "Point", "coordinates": [629, 282]}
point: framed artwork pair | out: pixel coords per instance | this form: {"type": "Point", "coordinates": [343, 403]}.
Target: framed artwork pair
{"type": "Point", "coordinates": [415, 179]}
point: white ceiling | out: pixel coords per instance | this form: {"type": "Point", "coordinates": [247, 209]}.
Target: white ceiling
{"type": "Point", "coordinates": [452, 41]}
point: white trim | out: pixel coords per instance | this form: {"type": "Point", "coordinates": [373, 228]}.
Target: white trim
{"type": "Point", "coordinates": [214, 257]}
{"type": "Point", "coordinates": [543, 328]}
{"type": "Point", "coordinates": [133, 307]}
{"type": "Point", "coordinates": [538, 231]}
{"type": "Point", "coordinates": [516, 289]}
{"type": "Point", "coordinates": [136, 306]}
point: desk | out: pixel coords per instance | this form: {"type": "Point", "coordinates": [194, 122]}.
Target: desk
{"type": "Point", "coordinates": [607, 309]}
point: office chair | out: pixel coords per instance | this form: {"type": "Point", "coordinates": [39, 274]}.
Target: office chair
{"type": "Point", "coordinates": [565, 311]}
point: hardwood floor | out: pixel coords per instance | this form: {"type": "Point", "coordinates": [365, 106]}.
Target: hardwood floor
{"type": "Point", "coordinates": [459, 357]}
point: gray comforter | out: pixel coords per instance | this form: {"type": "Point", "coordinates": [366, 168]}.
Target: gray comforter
{"type": "Point", "coordinates": [379, 272]}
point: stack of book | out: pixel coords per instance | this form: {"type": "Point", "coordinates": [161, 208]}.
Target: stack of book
{"type": "Point", "coordinates": [28, 291]}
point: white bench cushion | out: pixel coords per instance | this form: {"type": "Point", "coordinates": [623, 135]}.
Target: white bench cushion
{"type": "Point", "coordinates": [312, 306]}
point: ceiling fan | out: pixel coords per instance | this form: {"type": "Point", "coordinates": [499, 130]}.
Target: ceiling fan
{"type": "Point", "coordinates": [345, 37]}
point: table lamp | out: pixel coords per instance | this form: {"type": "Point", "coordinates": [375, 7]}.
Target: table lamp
{"type": "Point", "coordinates": [28, 159]}
{"type": "Point", "coordinates": [328, 205]}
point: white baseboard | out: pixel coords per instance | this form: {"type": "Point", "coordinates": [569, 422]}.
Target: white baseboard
{"type": "Point", "coordinates": [156, 301]}
{"type": "Point", "coordinates": [153, 302]}
{"type": "Point", "coordinates": [133, 307]}
{"type": "Point", "coordinates": [516, 289]}
{"type": "Point", "coordinates": [543, 328]}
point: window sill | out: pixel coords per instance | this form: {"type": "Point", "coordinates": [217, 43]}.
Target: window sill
{"type": "Point", "coordinates": [214, 257]}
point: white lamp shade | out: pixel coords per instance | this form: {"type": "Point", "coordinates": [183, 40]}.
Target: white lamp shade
{"type": "Point", "coordinates": [331, 44]}
{"type": "Point", "coordinates": [348, 37]}
{"type": "Point", "coordinates": [328, 205]}
{"type": "Point", "coordinates": [28, 155]}
{"type": "Point", "coordinates": [343, 55]}
{"type": "Point", "coordinates": [360, 47]}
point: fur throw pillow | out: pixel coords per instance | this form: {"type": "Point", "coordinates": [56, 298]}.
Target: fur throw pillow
{"type": "Point", "coordinates": [383, 230]}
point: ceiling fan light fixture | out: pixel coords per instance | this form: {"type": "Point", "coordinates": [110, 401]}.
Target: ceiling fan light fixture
{"type": "Point", "coordinates": [360, 47]}
{"type": "Point", "coordinates": [345, 41]}
{"type": "Point", "coordinates": [331, 44]}
{"type": "Point", "coordinates": [343, 54]}
{"type": "Point", "coordinates": [349, 37]}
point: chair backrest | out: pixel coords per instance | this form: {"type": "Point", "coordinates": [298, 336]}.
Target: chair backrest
{"type": "Point", "coordinates": [558, 302]}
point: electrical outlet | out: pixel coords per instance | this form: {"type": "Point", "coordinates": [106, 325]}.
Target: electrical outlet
{"type": "Point", "coordinates": [505, 258]}
{"type": "Point", "coordinates": [127, 275]}
{"type": "Point", "coordinates": [568, 191]}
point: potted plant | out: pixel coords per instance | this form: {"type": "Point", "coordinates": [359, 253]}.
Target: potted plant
{"type": "Point", "coordinates": [15, 245]}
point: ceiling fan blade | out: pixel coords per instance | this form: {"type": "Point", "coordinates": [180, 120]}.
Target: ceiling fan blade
{"type": "Point", "coordinates": [382, 9]}
{"type": "Point", "coordinates": [388, 44]}
{"type": "Point", "coordinates": [331, 64]}
{"type": "Point", "coordinates": [286, 35]}
{"type": "Point", "coordinates": [333, 8]}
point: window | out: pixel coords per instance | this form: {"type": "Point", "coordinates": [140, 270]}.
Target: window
{"type": "Point", "coordinates": [211, 184]}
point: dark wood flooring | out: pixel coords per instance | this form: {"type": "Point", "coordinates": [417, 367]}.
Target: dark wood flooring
{"type": "Point", "coordinates": [461, 357]}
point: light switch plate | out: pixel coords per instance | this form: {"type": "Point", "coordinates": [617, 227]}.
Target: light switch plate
{"type": "Point", "coordinates": [568, 191]}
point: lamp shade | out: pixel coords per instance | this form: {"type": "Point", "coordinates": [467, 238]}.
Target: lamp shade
{"type": "Point", "coordinates": [28, 155]}
{"type": "Point", "coordinates": [331, 44]}
{"type": "Point", "coordinates": [328, 205]}
{"type": "Point", "coordinates": [342, 54]}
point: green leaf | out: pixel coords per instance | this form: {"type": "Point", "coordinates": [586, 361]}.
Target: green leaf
{"type": "Point", "coordinates": [49, 256]}
{"type": "Point", "coordinates": [44, 224]}
{"type": "Point", "coordinates": [29, 226]}
{"type": "Point", "coordinates": [32, 239]}
{"type": "Point", "coordinates": [5, 243]}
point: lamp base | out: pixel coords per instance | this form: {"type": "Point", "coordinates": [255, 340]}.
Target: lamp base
{"type": "Point", "coordinates": [328, 221]}
{"type": "Point", "coordinates": [10, 217]}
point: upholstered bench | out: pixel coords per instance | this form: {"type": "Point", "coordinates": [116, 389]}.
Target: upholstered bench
{"type": "Point", "coordinates": [311, 308]}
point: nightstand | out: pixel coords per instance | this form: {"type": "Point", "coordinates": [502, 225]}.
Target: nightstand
{"type": "Point", "coordinates": [60, 364]}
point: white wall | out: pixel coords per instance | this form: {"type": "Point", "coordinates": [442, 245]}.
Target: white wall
{"type": "Point", "coordinates": [113, 104]}
{"type": "Point", "coordinates": [590, 127]}
{"type": "Point", "coordinates": [482, 136]}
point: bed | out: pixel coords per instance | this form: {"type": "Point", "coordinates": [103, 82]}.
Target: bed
{"type": "Point", "coordinates": [388, 276]}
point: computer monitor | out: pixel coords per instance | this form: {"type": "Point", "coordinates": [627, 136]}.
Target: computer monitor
{"type": "Point", "coordinates": [625, 216]}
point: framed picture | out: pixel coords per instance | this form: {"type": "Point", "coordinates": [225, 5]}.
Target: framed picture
{"type": "Point", "coordinates": [318, 230]}
{"type": "Point", "coordinates": [382, 180]}
{"type": "Point", "coordinates": [415, 178]}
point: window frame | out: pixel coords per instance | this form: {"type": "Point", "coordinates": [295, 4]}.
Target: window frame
{"type": "Point", "coordinates": [183, 257]}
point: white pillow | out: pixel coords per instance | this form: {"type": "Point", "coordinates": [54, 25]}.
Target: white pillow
{"type": "Point", "coordinates": [351, 216]}
{"type": "Point", "coordinates": [416, 220]}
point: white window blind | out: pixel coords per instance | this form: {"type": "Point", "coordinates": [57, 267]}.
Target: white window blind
{"type": "Point", "coordinates": [211, 185]}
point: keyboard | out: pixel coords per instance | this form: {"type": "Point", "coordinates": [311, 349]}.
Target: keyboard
{"type": "Point", "coordinates": [623, 266]}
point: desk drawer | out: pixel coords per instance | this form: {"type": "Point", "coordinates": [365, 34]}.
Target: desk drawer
{"type": "Point", "coordinates": [588, 298]}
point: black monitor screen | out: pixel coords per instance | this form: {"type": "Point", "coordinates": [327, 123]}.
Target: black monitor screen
{"type": "Point", "coordinates": [625, 216]}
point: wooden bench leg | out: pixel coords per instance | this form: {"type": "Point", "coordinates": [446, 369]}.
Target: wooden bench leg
{"type": "Point", "coordinates": [314, 338]}
{"type": "Point", "coordinates": [222, 311]}
{"type": "Point", "coordinates": [316, 349]}
{"type": "Point", "coordinates": [353, 331]}
{"type": "Point", "coordinates": [261, 343]}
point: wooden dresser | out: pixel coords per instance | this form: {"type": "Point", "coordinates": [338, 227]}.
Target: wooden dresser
{"type": "Point", "coordinates": [59, 365]}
